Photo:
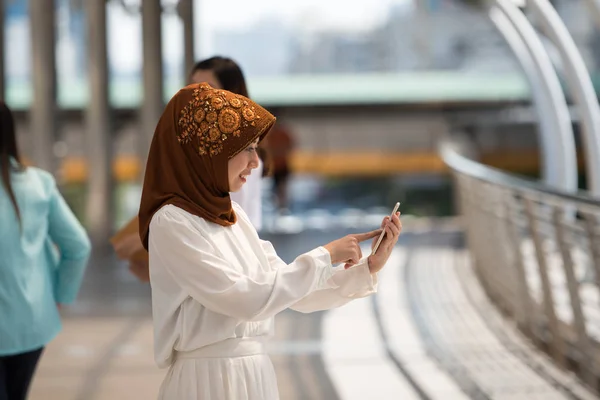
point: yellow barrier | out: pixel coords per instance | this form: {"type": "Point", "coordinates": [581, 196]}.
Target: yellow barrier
{"type": "Point", "coordinates": [124, 168]}
{"type": "Point", "coordinates": [366, 163]}
{"type": "Point", "coordinates": [128, 167]}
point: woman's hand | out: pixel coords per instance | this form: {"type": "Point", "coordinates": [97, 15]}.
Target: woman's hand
{"type": "Point", "coordinates": [347, 249]}
{"type": "Point", "coordinates": [392, 229]}
{"type": "Point", "coordinates": [140, 269]}
{"type": "Point", "coordinates": [128, 246]}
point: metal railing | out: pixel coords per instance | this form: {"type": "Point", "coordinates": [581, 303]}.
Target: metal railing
{"type": "Point", "coordinates": [536, 252]}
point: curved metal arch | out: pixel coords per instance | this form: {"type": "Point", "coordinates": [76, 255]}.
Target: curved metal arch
{"type": "Point", "coordinates": [579, 82]}
{"type": "Point", "coordinates": [560, 139]}
{"type": "Point", "coordinates": [540, 101]}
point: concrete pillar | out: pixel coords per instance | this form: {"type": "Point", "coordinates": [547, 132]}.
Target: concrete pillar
{"type": "Point", "coordinates": [186, 13]}
{"type": "Point", "coordinates": [99, 210]}
{"type": "Point", "coordinates": [153, 103]}
{"type": "Point", "coordinates": [43, 105]}
{"type": "Point", "coordinates": [2, 56]}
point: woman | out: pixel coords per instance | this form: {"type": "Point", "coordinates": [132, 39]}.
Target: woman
{"type": "Point", "coordinates": [34, 278]}
{"type": "Point", "coordinates": [215, 285]}
{"type": "Point", "coordinates": [220, 73]}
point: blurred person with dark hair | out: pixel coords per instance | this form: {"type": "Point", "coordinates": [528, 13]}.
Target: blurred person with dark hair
{"type": "Point", "coordinates": [44, 251]}
{"type": "Point", "coordinates": [216, 286]}
{"type": "Point", "coordinates": [220, 73]}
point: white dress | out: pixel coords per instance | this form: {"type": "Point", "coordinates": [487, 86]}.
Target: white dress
{"type": "Point", "coordinates": [249, 197]}
{"type": "Point", "coordinates": [215, 291]}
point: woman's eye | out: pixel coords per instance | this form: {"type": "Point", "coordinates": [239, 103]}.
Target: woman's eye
{"type": "Point", "coordinates": [251, 149]}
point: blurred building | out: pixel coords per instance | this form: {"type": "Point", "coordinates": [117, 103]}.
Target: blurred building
{"type": "Point", "coordinates": [250, 47]}
{"type": "Point", "coordinates": [442, 36]}
{"type": "Point", "coordinates": [430, 35]}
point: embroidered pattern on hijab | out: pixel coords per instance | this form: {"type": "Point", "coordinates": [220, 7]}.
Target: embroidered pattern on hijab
{"type": "Point", "coordinates": [200, 130]}
{"type": "Point", "coordinates": [213, 117]}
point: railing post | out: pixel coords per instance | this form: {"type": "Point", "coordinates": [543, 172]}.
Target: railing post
{"type": "Point", "coordinates": [473, 233]}
{"type": "Point", "coordinates": [557, 344]}
{"type": "Point", "coordinates": [498, 263]}
{"type": "Point", "coordinates": [583, 342]}
{"type": "Point", "coordinates": [591, 225]}
{"type": "Point", "coordinates": [524, 314]}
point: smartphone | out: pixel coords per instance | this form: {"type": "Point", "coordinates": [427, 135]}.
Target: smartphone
{"type": "Point", "coordinates": [383, 232]}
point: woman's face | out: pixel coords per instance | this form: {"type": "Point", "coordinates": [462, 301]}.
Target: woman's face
{"type": "Point", "coordinates": [241, 165]}
{"type": "Point", "coordinates": [206, 75]}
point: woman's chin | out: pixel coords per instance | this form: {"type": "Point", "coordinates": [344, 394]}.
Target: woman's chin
{"type": "Point", "coordinates": [236, 188]}
{"type": "Point", "coordinates": [237, 185]}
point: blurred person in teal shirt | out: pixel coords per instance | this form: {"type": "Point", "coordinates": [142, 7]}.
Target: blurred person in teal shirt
{"type": "Point", "coordinates": [43, 254]}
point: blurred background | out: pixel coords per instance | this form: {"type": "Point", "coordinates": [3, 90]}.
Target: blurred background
{"type": "Point", "coordinates": [368, 91]}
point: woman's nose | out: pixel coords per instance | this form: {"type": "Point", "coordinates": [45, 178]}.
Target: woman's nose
{"type": "Point", "coordinates": [254, 161]}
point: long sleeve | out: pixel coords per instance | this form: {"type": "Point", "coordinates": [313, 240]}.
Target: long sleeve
{"type": "Point", "coordinates": [196, 266]}
{"type": "Point", "coordinates": [74, 248]}
{"type": "Point", "coordinates": [344, 285]}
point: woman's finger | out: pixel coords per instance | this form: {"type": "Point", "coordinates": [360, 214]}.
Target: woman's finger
{"type": "Point", "coordinates": [384, 222]}
{"type": "Point", "coordinates": [395, 229]}
{"type": "Point", "coordinates": [394, 240]}
{"type": "Point", "coordinates": [396, 220]}
{"type": "Point", "coordinates": [389, 236]}
{"type": "Point", "coordinates": [361, 237]}
{"type": "Point", "coordinates": [351, 262]}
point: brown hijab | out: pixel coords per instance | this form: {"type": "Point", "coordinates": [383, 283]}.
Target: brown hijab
{"type": "Point", "coordinates": [199, 131]}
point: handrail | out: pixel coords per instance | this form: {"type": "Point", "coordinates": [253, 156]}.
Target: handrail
{"type": "Point", "coordinates": [474, 169]}
{"type": "Point", "coordinates": [536, 251]}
